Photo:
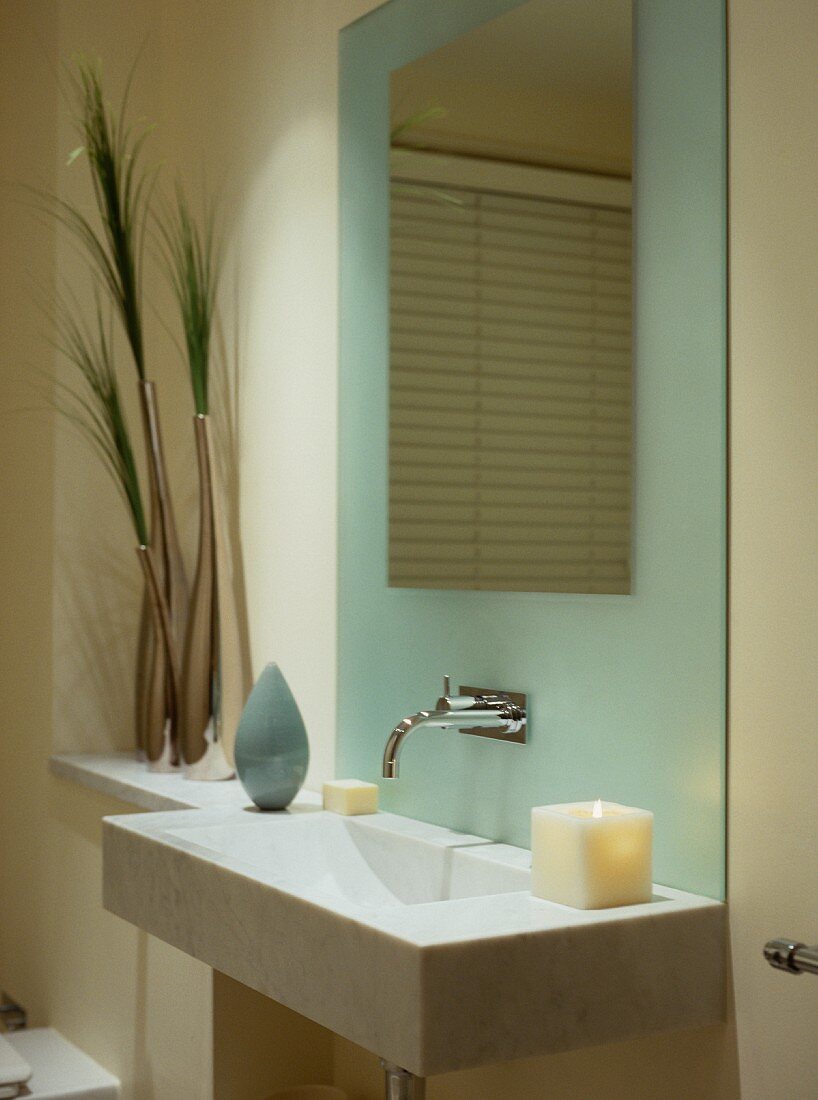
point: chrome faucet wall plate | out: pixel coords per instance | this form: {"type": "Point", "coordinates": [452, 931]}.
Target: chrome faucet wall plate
{"type": "Point", "coordinates": [514, 731]}
{"type": "Point", "coordinates": [501, 715]}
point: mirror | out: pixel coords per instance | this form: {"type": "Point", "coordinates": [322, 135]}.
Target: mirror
{"type": "Point", "coordinates": [510, 398]}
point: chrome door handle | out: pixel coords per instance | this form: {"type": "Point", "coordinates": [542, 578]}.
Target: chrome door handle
{"type": "Point", "coordinates": [792, 956]}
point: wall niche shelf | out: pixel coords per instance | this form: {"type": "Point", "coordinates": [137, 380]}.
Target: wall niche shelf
{"type": "Point", "coordinates": [122, 776]}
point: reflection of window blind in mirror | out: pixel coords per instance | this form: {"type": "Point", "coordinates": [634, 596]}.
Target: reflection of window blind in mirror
{"type": "Point", "coordinates": [510, 392]}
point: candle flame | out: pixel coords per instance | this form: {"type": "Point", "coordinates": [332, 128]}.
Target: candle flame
{"type": "Point", "coordinates": [598, 808]}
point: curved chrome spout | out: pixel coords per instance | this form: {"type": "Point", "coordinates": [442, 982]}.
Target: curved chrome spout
{"type": "Point", "coordinates": [401, 731]}
{"type": "Point", "coordinates": [495, 716]}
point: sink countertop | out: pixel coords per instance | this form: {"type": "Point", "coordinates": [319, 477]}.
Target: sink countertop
{"type": "Point", "coordinates": [438, 959]}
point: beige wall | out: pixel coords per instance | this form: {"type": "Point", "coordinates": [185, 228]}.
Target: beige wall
{"type": "Point", "coordinates": [241, 106]}
{"type": "Point", "coordinates": [774, 617]}
{"type": "Point", "coordinates": [96, 579]}
{"type": "Point", "coordinates": [139, 1007]}
{"type": "Point", "coordinates": [26, 476]}
{"type": "Point", "coordinates": [250, 89]}
{"type": "Point", "coordinates": [243, 101]}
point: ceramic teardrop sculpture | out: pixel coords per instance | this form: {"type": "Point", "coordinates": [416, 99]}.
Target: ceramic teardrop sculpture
{"type": "Point", "coordinates": [272, 752]}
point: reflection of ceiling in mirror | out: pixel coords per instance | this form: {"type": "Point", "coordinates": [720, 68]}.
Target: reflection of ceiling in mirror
{"type": "Point", "coordinates": [549, 83]}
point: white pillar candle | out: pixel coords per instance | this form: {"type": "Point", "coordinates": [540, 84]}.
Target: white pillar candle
{"type": "Point", "coordinates": [592, 855]}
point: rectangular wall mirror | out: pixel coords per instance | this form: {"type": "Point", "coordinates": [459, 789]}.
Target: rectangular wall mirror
{"type": "Point", "coordinates": [510, 398]}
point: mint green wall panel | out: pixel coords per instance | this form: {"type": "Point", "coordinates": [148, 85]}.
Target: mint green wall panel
{"type": "Point", "coordinates": [627, 693]}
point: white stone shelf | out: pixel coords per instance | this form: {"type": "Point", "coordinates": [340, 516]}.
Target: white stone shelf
{"type": "Point", "coordinates": [480, 971]}
{"type": "Point", "coordinates": [418, 943]}
{"type": "Point", "coordinates": [124, 777]}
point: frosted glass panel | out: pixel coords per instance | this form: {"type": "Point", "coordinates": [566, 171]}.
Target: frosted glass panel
{"type": "Point", "coordinates": [626, 693]}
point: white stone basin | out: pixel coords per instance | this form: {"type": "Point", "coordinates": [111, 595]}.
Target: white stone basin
{"type": "Point", "coordinates": [419, 943]}
{"type": "Point", "coordinates": [374, 862]}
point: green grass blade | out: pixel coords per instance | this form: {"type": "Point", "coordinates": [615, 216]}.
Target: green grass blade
{"type": "Point", "coordinates": [114, 158]}
{"type": "Point", "coordinates": [94, 402]}
{"type": "Point", "coordinates": [192, 263]}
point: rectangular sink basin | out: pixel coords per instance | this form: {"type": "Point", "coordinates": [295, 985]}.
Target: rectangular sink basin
{"type": "Point", "coordinates": [421, 944]}
{"type": "Point", "coordinates": [372, 862]}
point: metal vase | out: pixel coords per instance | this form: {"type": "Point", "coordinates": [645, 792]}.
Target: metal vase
{"type": "Point", "coordinates": [212, 679]}
{"type": "Point", "coordinates": [153, 691]}
{"type": "Point", "coordinates": [151, 708]}
{"type": "Point", "coordinates": [162, 747]}
{"type": "Point", "coordinates": [143, 641]}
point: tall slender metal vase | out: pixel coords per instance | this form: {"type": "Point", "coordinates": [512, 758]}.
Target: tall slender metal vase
{"type": "Point", "coordinates": [162, 746]}
{"type": "Point", "coordinates": [151, 710]}
{"type": "Point", "coordinates": [154, 702]}
{"type": "Point", "coordinates": [213, 688]}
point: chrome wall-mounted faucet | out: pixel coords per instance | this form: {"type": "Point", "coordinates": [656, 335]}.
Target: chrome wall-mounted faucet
{"type": "Point", "coordinates": [477, 711]}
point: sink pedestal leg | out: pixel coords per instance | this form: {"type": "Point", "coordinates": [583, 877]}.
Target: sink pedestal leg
{"type": "Point", "coordinates": [401, 1084]}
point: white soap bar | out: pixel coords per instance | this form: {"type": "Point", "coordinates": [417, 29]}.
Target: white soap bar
{"type": "Point", "coordinates": [351, 796]}
{"type": "Point", "coordinates": [592, 855]}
